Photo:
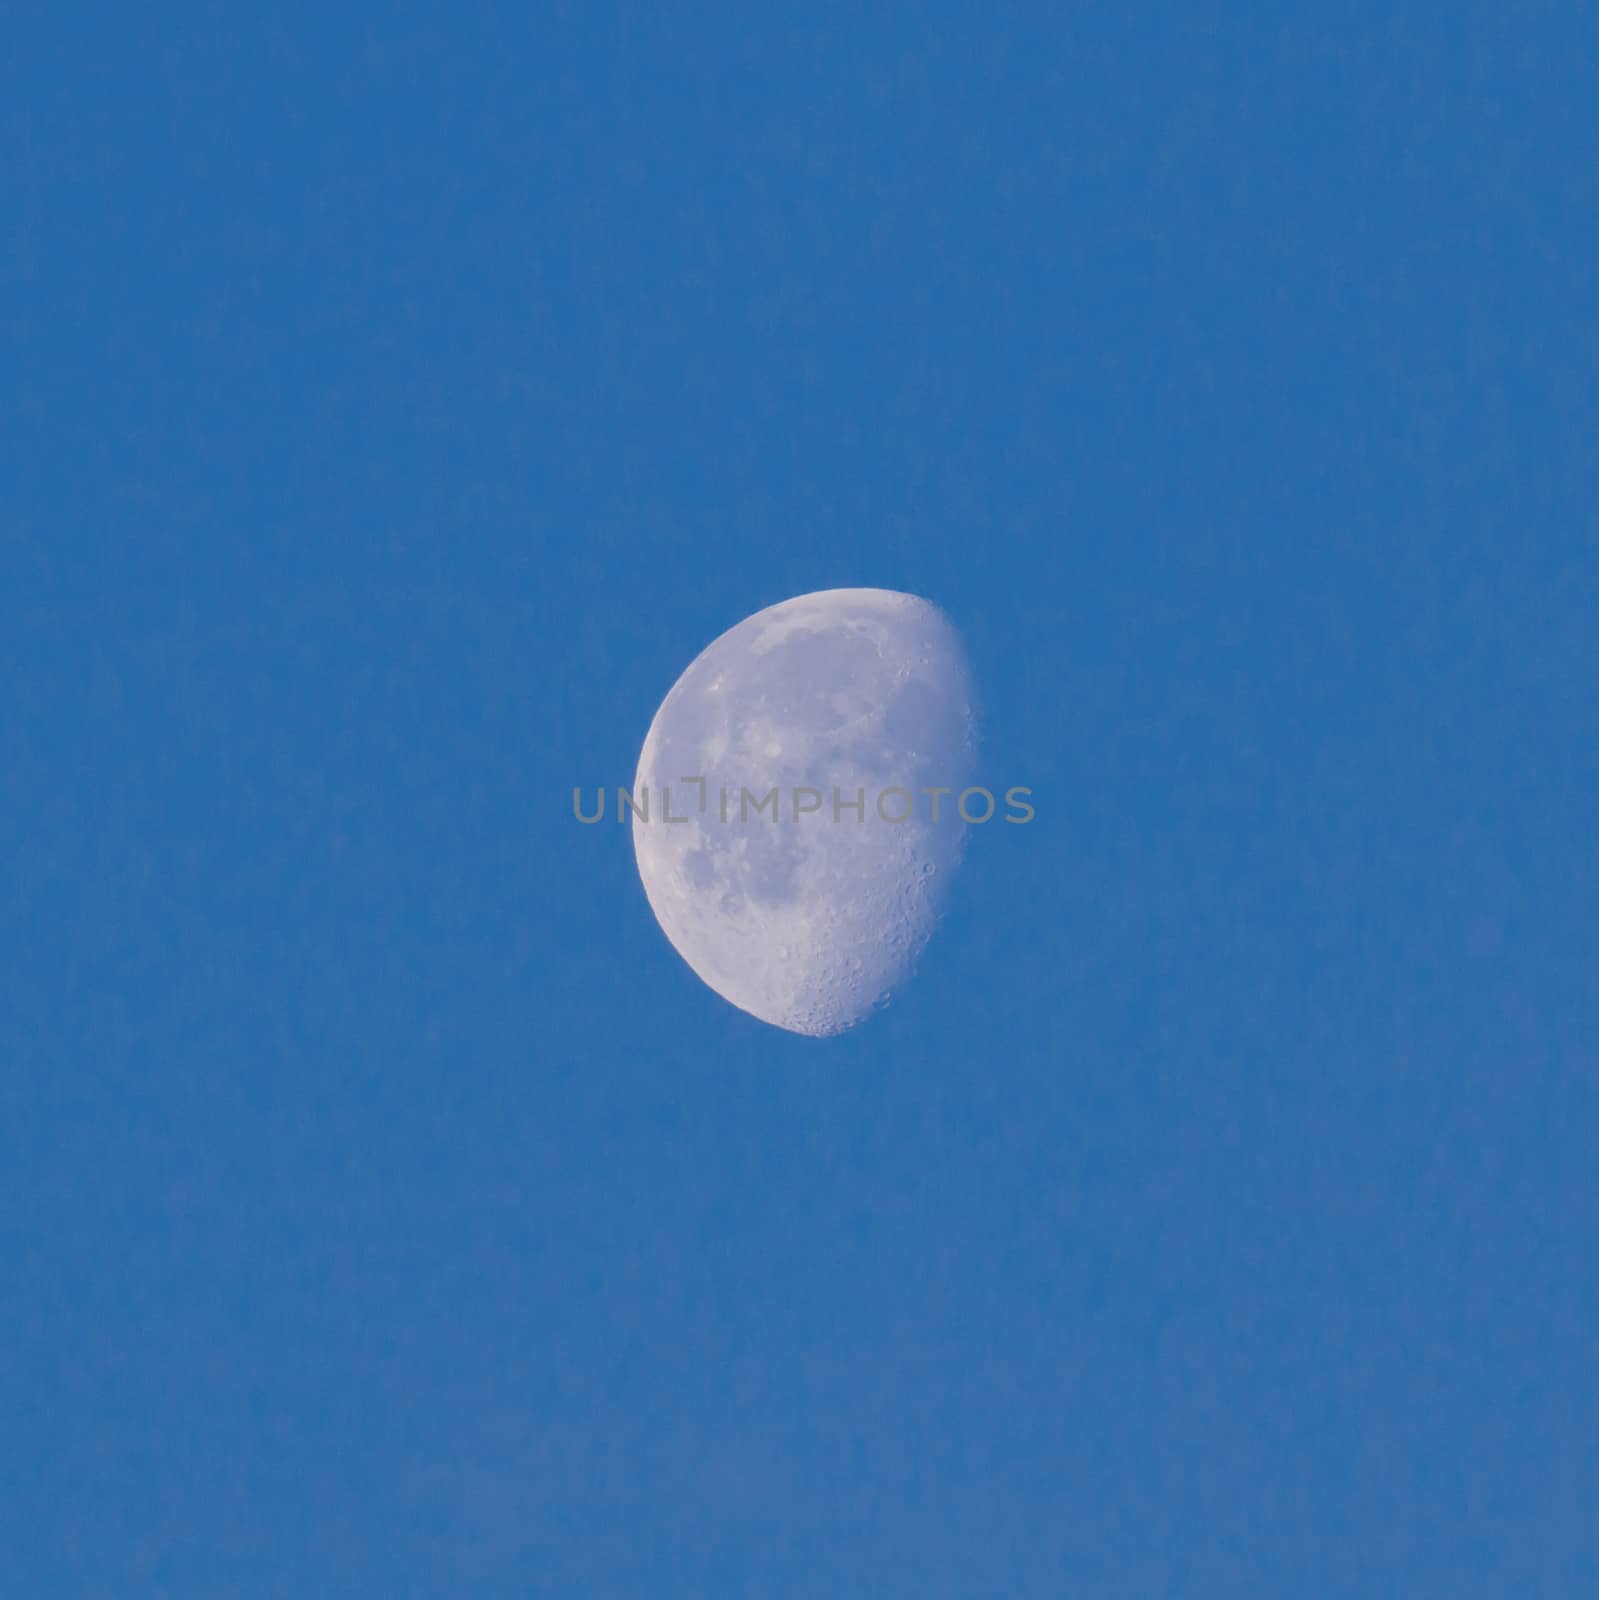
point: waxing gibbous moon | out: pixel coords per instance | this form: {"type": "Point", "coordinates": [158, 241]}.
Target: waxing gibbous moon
{"type": "Point", "coordinates": [808, 918]}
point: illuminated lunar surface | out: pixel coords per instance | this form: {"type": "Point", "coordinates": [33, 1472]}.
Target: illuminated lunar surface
{"type": "Point", "coordinates": [808, 922]}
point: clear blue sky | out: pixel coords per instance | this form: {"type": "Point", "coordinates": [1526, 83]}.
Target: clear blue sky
{"type": "Point", "coordinates": [395, 403]}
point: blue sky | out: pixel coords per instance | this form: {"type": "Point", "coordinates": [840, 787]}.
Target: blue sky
{"type": "Point", "coordinates": [394, 404]}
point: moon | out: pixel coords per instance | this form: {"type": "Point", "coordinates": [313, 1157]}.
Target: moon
{"type": "Point", "coordinates": [809, 918]}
